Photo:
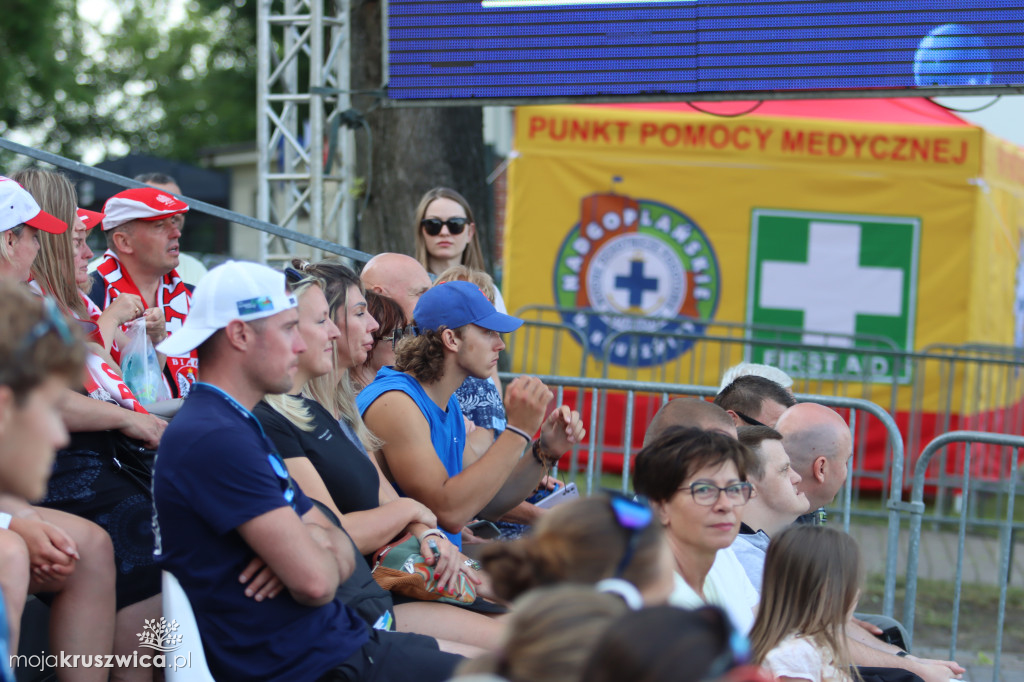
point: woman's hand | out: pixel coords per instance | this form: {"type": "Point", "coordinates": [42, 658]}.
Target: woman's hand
{"type": "Point", "coordinates": [448, 562]}
{"type": "Point", "coordinates": [144, 427]}
{"type": "Point", "coordinates": [51, 551]}
{"type": "Point", "coordinates": [124, 309]}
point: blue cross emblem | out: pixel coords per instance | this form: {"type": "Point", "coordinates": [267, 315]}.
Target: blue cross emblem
{"type": "Point", "coordinates": [635, 283]}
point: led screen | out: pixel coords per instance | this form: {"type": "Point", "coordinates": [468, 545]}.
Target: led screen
{"type": "Point", "coordinates": [497, 49]}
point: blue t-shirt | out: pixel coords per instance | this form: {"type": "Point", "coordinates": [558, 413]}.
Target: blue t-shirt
{"type": "Point", "coordinates": [214, 471]}
{"type": "Point", "coordinates": [447, 430]}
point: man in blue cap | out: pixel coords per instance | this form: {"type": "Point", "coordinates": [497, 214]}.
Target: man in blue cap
{"type": "Point", "coordinates": [412, 408]}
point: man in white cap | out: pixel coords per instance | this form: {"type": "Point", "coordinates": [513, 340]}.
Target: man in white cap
{"type": "Point", "coordinates": [142, 228]}
{"type": "Point", "coordinates": [413, 409]}
{"type": "Point", "coordinates": [223, 498]}
{"type": "Point", "coordinates": [20, 217]}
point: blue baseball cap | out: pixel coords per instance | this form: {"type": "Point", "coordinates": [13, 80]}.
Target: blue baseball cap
{"type": "Point", "coordinates": [456, 304]}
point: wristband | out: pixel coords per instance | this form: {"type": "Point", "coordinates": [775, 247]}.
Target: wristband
{"type": "Point", "coordinates": [5, 520]}
{"type": "Point", "coordinates": [436, 532]}
{"type": "Point", "coordinates": [518, 432]}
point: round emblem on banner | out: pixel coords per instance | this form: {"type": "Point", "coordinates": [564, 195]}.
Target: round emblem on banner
{"type": "Point", "coordinates": [640, 277]}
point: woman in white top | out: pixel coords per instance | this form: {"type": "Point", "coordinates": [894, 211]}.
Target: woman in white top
{"type": "Point", "coordinates": [812, 578]}
{"type": "Point", "coordinates": [697, 484]}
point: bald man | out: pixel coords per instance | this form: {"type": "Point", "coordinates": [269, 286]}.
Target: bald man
{"type": "Point", "coordinates": [819, 445]}
{"type": "Point", "coordinates": [691, 412]}
{"type": "Point", "coordinates": [396, 276]}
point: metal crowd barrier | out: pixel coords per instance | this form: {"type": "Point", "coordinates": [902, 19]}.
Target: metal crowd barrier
{"type": "Point", "coordinates": [1006, 527]}
{"type": "Point", "coordinates": [859, 411]}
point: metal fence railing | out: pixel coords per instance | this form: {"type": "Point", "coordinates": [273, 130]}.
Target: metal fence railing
{"type": "Point", "coordinates": [591, 397]}
{"type": "Point", "coordinates": [1005, 526]}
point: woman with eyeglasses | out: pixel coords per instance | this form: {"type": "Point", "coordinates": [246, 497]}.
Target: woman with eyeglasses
{"type": "Point", "coordinates": [446, 235]}
{"type": "Point", "coordinates": [323, 459]}
{"type": "Point", "coordinates": [607, 540]}
{"type": "Point", "coordinates": [697, 484]}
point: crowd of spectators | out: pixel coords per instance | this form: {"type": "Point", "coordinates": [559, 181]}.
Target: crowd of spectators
{"type": "Point", "coordinates": [324, 420]}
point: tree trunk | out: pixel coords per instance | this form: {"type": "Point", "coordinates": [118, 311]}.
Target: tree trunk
{"type": "Point", "coordinates": [410, 150]}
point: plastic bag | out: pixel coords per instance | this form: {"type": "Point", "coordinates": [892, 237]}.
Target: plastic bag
{"type": "Point", "coordinates": [140, 366]}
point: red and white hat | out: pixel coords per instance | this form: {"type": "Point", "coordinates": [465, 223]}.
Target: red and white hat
{"type": "Point", "coordinates": [90, 218]}
{"type": "Point", "coordinates": [144, 203]}
{"type": "Point", "coordinates": [18, 207]}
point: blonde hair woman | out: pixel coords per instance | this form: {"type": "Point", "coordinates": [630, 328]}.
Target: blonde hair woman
{"type": "Point", "coordinates": [322, 459]}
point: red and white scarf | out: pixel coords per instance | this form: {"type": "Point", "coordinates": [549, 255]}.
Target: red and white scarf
{"type": "Point", "coordinates": [173, 297]}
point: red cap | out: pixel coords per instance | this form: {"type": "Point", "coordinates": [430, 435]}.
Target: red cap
{"type": "Point", "coordinates": [144, 203]}
{"type": "Point", "coordinates": [90, 218]}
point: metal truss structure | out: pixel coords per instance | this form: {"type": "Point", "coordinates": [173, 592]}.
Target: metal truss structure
{"type": "Point", "coordinates": [306, 157]}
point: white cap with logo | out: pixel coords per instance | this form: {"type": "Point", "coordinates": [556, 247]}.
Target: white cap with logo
{"type": "Point", "coordinates": [236, 290]}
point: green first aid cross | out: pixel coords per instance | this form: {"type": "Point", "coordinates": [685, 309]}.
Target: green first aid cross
{"type": "Point", "coordinates": [844, 280]}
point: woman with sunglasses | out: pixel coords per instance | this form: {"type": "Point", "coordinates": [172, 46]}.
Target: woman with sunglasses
{"type": "Point", "coordinates": [607, 540]}
{"type": "Point", "coordinates": [39, 357]}
{"type": "Point", "coordinates": [88, 484]}
{"type": "Point", "coordinates": [327, 465]}
{"type": "Point", "coordinates": [697, 484]}
{"type": "Point", "coordinates": [446, 235]}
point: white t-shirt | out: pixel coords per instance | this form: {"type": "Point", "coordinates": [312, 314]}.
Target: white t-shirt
{"type": "Point", "coordinates": [799, 657]}
{"type": "Point", "coordinates": [726, 586]}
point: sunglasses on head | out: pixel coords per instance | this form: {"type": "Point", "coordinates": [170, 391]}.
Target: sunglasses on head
{"type": "Point", "coordinates": [749, 420]}
{"type": "Point", "coordinates": [432, 226]}
{"type": "Point", "coordinates": [53, 320]}
{"type": "Point", "coordinates": [634, 516]}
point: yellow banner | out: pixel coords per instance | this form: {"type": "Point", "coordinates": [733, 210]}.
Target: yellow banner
{"type": "Point", "coordinates": [863, 235]}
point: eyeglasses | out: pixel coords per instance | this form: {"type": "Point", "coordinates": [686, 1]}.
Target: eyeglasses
{"type": "Point", "coordinates": [432, 226]}
{"type": "Point", "coordinates": [749, 420]}
{"type": "Point", "coordinates": [634, 516]}
{"type": "Point", "coordinates": [706, 494]}
{"type": "Point", "coordinates": [53, 320]}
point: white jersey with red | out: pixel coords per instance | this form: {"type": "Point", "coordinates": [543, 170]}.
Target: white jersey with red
{"type": "Point", "coordinates": [173, 297]}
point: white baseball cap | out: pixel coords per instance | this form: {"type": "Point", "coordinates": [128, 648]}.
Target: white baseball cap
{"type": "Point", "coordinates": [143, 203]}
{"type": "Point", "coordinates": [236, 290]}
{"type": "Point", "coordinates": [17, 207]}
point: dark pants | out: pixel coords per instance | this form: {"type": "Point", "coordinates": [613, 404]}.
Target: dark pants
{"type": "Point", "coordinates": [395, 657]}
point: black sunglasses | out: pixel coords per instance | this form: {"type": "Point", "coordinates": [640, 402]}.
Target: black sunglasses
{"type": "Point", "coordinates": [432, 226]}
{"type": "Point", "coordinates": [749, 420]}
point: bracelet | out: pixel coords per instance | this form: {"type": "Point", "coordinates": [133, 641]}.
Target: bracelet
{"type": "Point", "coordinates": [902, 654]}
{"type": "Point", "coordinates": [541, 459]}
{"type": "Point", "coordinates": [518, 432]}
{"type": "Point", "coordinates": [436, 532]}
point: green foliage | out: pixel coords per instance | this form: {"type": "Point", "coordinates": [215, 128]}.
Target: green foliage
{"type": "Point", "coordinates": [148, 80]}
